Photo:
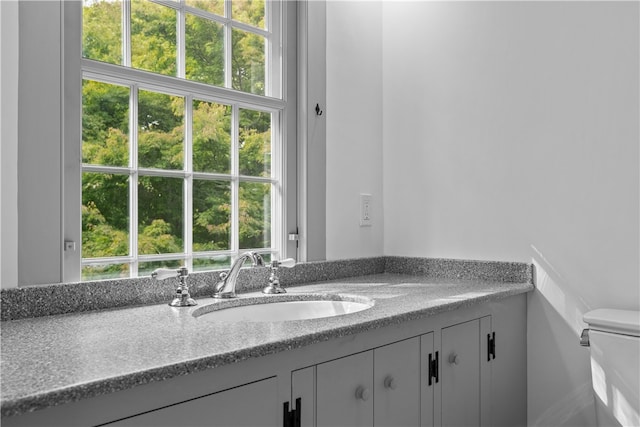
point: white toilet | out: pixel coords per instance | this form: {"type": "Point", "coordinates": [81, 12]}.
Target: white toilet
{"type": "Point", "coordinates": [614, 338]}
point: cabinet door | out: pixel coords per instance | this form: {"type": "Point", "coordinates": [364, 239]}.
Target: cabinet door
{"type": "Point", "coordinates": [427, 384]}
{"type": "Point", "coordinates": [396, 389]}
{"type": "Point", "coordinates": [345, 391]}
{"type": "Point", "coordinates": [485, 372]}
{"type": "Point", "coordinates": [460, 374]}
{"type": "Point", "coordinates": [303, 387]}
{"type": "Point", "coordinates": [253, 404]}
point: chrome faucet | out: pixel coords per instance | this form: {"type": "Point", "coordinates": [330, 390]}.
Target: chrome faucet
{"type": "Point", "coordinates": [226, 287]}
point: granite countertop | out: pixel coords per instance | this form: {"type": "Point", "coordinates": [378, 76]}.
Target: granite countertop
{"type": "Point", "coordinates": [52, 360]}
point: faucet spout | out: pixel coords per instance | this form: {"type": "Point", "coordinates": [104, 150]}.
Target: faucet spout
{"type": "Point", "coordinates": [226, 287]}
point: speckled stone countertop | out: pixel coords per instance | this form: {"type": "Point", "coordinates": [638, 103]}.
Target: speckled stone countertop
{"type": "Point", "coordinates": [52, 360]}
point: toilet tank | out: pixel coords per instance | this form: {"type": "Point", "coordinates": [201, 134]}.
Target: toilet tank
{"type": "Point", "coordinates": [614, 340]}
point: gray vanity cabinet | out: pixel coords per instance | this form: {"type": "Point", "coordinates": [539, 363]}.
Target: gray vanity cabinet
{"type": "Point", "coordinates": [420, 381]}
{"type": "Point", "coordinates": [440, 370]}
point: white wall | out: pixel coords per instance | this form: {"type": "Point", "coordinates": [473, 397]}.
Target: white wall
{"type": "Point", "coordinates": [511, 132]}
{"type": "Point", "coordinates": [354, 127]}
{"type": "Point", "coordinates": [8, 147]}
{"type": "Point", "coordinates": [31, 136]}
{"type": "Point", "coordinates": [40, 144]}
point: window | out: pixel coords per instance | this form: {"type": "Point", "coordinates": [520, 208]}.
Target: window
{"type": "Point", "coordinates": [182, 141]}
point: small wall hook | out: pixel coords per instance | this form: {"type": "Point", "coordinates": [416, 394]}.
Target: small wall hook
{"type": "Point", "coordinates": [318, 110]}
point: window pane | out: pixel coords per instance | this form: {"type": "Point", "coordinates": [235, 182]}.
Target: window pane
{"type": "Point", "coordinates": [211, 215]}
{"type": "Point", "coordinates": [213, 6]}
{"type": "Point", "coordinates": [153, 37]}
{"type": "Point", "coordinates": [247, 57]}
{"type": "Point", "coordinates": [248, 11]}
{"type": "Point", "coordinates": [160, 221]}
{"type": "Point", "coordinates": [255, 215]}
{"type": "Point", "coordinates": [204, 45]}
{"type": "Point", "coordinates": [219, 262]}
{"type": "Point", "coordinates": [105, 215]}
{"type": "Point", "coordinates": [105, 124]}
{"type": "Point", "coordinates": [146, 268]}
{"type": "Point", "coordinates": [102, 30]}
{"type": "Point", "coordinates": [105, 271]}
{"type": "Point", "coordinates": [211, 137]}
{"type": "Point", "coordinates": [160, 130]}
{"type": "Point", "coordinates": [255, 143]}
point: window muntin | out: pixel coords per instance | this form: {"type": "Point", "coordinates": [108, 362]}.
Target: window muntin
{"type": "Point", "coordinates": [213, 6]}
{"type": "Point", "coordinates": [194, 175]}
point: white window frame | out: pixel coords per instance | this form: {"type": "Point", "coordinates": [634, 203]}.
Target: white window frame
{"type": "Point", "coordinates": [280, 84]}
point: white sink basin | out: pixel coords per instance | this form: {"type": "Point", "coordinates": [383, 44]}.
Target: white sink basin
{"type": "Point", "coordinates": [278, 311]}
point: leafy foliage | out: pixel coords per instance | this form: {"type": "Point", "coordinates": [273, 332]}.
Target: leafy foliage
{"type": "Point", "coordinates": [102, 31]}
{"type": "Point", "coordinates": [153, 37]}
{"type": "Point", "coordinates": [204, 45]}
{"type": "Point", "coordinates": [161, 131]}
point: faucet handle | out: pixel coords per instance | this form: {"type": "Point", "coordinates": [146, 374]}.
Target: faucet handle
{"type": "Point", "coordinates": [274, 282]}
{"type": "Point", "coordinates": [288, 262]}
{"type": "Point", "coordinates": [166, 273]}
{"type": "Point", "coordinates": [182, 297]}
{"type": "Point", "coordinates": [257, 260]}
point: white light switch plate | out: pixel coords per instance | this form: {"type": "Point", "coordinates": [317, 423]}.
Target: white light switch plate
{"type": "Point", "coordinates": [365, 210]}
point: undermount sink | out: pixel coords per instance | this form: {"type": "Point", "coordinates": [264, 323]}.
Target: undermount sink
{"type": "Point", "coordinates": [281, 309]}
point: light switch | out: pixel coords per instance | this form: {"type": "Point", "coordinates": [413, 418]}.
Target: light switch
{"type": "Point", "coordinates": [365, 210]}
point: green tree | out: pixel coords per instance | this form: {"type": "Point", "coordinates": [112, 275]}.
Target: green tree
{"type": "Point", "coordinates": [255, 143]}
{"type": "Point", "coordinates": [105, 124]}
{"type": "Point", "coordinates": [102, 30]}
{"type": "Point", "coordinates": [249, 11]}
{"type": "Point", "coordinates": [204, 46]}
{"type": "Point", "coordinates": [153, 37]}
{"type": "Point", "coordinates": [211, 136]}
{"type": "Point", "coordinates": [160, 132]}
